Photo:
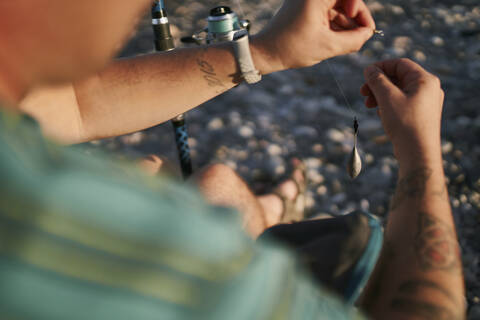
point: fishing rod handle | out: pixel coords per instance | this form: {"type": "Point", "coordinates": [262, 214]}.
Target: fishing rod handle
{"type": "Point", "coordinates": [181, 139]}
{"type": "Point", "coordinates": [161, 27]}
{"type": "Point", "coordinates": [164, 42]}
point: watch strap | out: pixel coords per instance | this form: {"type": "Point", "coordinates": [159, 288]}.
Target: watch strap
{"type": "Point", "coordinates": [244, 59]}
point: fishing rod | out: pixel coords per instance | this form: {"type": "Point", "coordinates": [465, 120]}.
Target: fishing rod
{"type": "Point", "coordinates": [164, 42]}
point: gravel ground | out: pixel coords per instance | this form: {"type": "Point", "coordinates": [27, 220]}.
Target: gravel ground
{"type": "Point", "coordinates": [256, 129]}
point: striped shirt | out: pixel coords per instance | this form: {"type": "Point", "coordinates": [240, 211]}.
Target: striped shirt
{"type": "Point", "coordinates": [86, 237]}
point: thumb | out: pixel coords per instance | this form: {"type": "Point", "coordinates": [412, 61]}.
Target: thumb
{"type": "Point", "coordinates": [380, 85]}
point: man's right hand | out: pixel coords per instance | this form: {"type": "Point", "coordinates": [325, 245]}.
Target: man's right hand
{"type": "Point", "coordinates": [409, 101]}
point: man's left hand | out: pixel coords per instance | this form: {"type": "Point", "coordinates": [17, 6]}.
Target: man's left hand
{"type": "Point", "coordinates": [305, 32]}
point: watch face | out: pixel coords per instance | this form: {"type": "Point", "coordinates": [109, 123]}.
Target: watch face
{"type": "Point", "coordinates": [240, 34]}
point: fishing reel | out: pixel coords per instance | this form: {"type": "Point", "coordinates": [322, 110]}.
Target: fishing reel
{"type": "Point", "coordinates": [223, 23]}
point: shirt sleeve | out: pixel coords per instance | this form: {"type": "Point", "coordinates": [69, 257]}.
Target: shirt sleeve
{"type": "Point", "coordinates": [82, 237]}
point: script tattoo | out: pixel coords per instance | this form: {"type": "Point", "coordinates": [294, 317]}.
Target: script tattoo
{"type": "Point", "coordinates": [435, 244]}
{"type": "Point", "coordinates": [209, 74]}
{"type": "Point", "coordinates": [413, 185]}
{"type": "Point", "coordinates": [405, 301]}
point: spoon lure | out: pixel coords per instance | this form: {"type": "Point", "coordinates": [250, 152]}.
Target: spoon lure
{"type": "Point", "coordinates": [354, 164]}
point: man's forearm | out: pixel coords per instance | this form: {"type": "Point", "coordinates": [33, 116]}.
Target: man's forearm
{"type": "Point", "coordinates": [134, 94]}
{"type": "Point", "coordinates": [419, 274]}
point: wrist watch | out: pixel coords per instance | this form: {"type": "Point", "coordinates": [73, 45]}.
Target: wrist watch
{"type": "Point", "coordinates": [244, 59]}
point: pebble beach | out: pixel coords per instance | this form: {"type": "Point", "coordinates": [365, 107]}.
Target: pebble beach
{"type": "Point", "coordinates": [303, 113]}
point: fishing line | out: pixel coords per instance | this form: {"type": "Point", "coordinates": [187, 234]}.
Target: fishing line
{"type": "Point", "coordinates": [330, 68]}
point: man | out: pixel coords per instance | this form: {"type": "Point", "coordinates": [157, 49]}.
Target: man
{"type": "Point", "coordinates": [86, 238]}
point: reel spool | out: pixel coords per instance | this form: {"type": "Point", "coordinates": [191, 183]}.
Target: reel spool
{"type": "Point", "coordinates": [222, 24]}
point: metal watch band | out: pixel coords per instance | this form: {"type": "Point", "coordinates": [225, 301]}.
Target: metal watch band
{"type": "Point", "coordinates": [244, 57]}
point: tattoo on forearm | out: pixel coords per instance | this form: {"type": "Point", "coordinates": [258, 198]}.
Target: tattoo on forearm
{"type": "Point", "coordinates": [422, 309]}
{"type": "Point", "coordinates": [413, 185]}
{"type": "Point", "coordinates": [406, 301]}
{"type": "Point", "coordinates": [435, 244]}
{"type": "Point", "coordinates": [209, 73]}
{"type": "Point", "coordinates": [413, 287]}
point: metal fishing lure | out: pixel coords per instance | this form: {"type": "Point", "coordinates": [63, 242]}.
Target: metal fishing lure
{"type": "Point", "coordinates": [354, 164]}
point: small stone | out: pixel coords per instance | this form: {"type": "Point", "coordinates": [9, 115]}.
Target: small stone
{"type": "Point", "coordinates": [336, 186]}
{"type": "Point", "coordinates": [458, 154]}
{"type": "Point", "coordinates": [455, 203]}
{"type": "Point", "coordinates": [339, 197]}
{"type": "Point", "coordinates": [401, 45]}
{"type": "Point", "coordinates": [364, 205]}
{"type": "Point", "coordinates": [419, 56]}
{"type": "Point", "coordinates": [377, 45]}
{"type": "Point", "coordinates": [245, 132]}
{"type": "Point", "coordinates": [274, 150]}
{"type": "Point", "coordinates": [437, 41]}
{"type": "Point", "coordinates": [454, 168]}
{"type": "Point", "coordinates": [315, 177]}
{"type": "Point", "coordinates": [386, 170]}
{"type": "Point", "coordinates": [397, 10]}
{"type": "Point", "coordinates": [331, 168]}
{"type": "Point", "coordinates": [322, 190]}
{"type": "Point", "coordinates": [192, 142]}
{"type": "Point", "coordinates": [375, 6]}
{"type": "Point", "coordinates": [309, 200]}
{"type": "Point", "coordinates": [134, 138]}
{"type": "Point", "coordinates": [369, 158]}
{"type": "Point", "coordinates": [447, 147]}
{"type": "Point", "coordinates": [317, 148]}
{"type": "Point", "coordinates": [235, 118]}
{"type": "Point", "coordinates": [425, 24]}
{"type": "Point", "coordinates": [459, 179]}
{"type": "Point", "coordinates": [335, 135]}
{"type": "Point", "coordinates": [215, 124]}
{"type": "Point", "coordinates": [313, 162]}
{"type": "Point", "coordinates": [286, 89]}
{"type": "Point", "coordinates": [279, 169]}
{"type": "Point", "coordinates": [231, 164]}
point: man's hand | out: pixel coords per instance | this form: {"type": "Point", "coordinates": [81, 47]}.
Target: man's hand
{"type": "Point", "coordinates": [409, 101]}
{"type": "Point", "coordinates": [305, 32]}
{"type": "Point", "coordinates": [420, 245]}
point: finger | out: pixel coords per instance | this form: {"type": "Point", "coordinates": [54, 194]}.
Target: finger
{"type": "Point", "coordinates": [341, 20]}
{"type": "Point", "coordinates": [382, 88]}
{"type": "Point", "coordinates": [348, 41]}
{"type": "Point", "coordinates": [364, 18]}
{"type": "Point", "coordinates": [350, 7]}
{"type": "Point", "coordinates": [371, 102]}
{"type": "Point", "coordinates": [365, 90]}
{"type": "Point", "coordinates": [405, 70]}
{"type": "Point", "coordinates": [357, 10]}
